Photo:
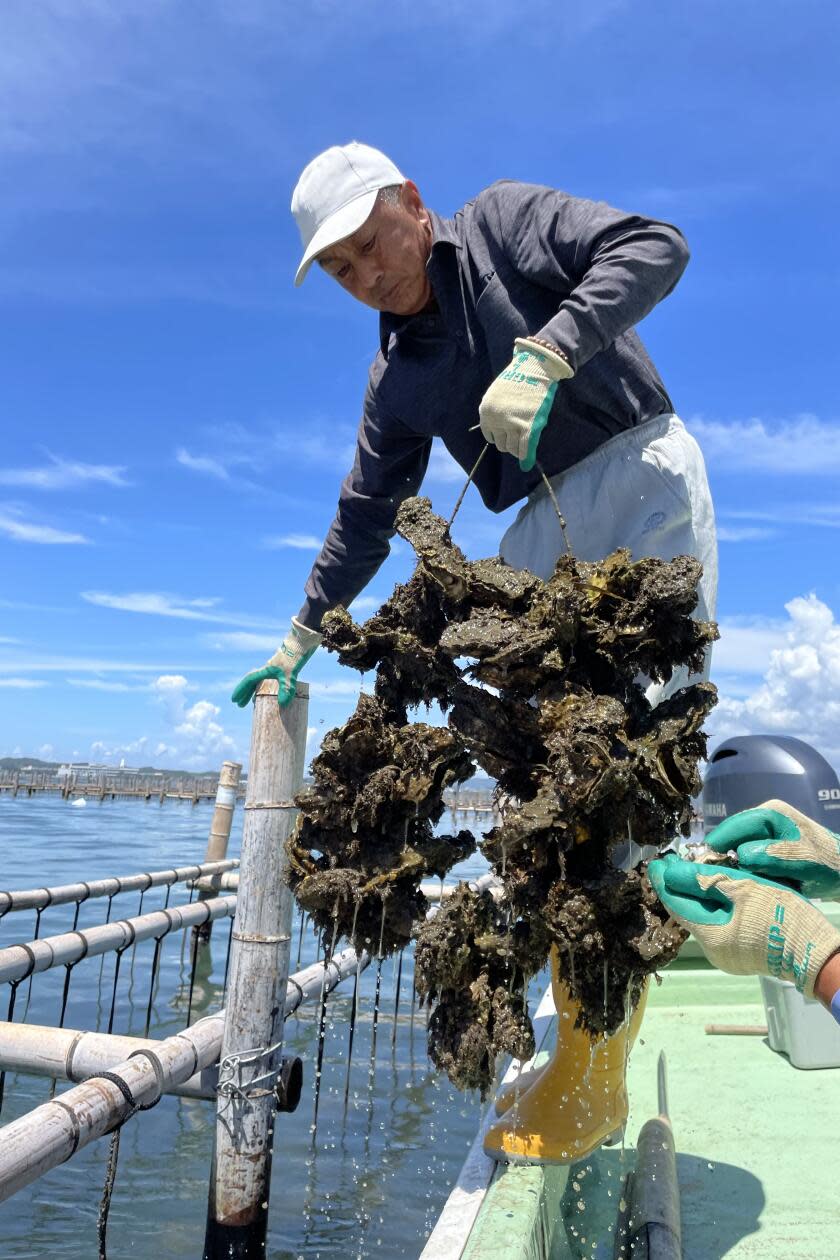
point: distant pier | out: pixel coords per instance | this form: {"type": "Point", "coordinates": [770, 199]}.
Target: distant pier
{"type": "Point", "coordinates": [110, 784]}
{"type": "Point", "coordinates": [107, 783]}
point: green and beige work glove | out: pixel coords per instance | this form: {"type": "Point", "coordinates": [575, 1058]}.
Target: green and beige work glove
{"type": "Point", "coordinates": [284, 665]}
{"type": "Point", "coordinates": [777, 841]}
{"type": "Point", "coordinates": [514, 411]}
{"type": "Point", "coordinates": [746, 925]}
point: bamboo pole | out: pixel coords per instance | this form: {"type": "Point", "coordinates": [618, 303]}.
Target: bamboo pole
{"type": "Point", "coordinates": [19, 961]}
{"type": "Point", "coordinates": [217, 842]}
{"type": "Point", "coordinates": [237, 1217]}
{"type": "Point", "coordinates": [40, 898]}
{"type": "Point", "coordinates": [67, 1054]}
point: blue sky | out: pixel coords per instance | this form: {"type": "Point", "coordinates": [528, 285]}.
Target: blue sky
{"type": "Point", "coordinates": [176, 417]}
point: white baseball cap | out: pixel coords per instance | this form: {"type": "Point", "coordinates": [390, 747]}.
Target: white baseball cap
{"type": "Point", "coordinates": [336, 193]}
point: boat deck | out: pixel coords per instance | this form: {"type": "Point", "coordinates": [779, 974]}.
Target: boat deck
{"type": "Point", "coordinates": [757, 1152]}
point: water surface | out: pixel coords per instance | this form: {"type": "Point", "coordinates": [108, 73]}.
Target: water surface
{"type": "Point", "coordinates": [369, 1182]}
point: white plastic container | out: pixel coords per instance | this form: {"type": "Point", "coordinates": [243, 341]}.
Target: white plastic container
{"type": "Point", "coordinates": [800, 1027]}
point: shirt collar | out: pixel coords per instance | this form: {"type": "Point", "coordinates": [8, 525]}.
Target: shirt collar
{"type": "Point", "coordinates": [443, 233]}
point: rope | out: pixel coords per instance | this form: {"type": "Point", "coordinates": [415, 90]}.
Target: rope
{"type": "Point", "coordinates": [13, 985]}
{"type": "Point", "coordinates": [114, 1149]}
{"type": "Point", "coordinates": [194, 967]}
{"type": "Point", "coordinates": [397, 1000]}
{"type": "Point", "coordinates": [155, 964]}
{"type": "Point", "coordinates": [119, 953]}
{"type": "Point", "coordinates": [322, 1029]}
{"type": "Point", "coordinates": [79, 901]}
{"type": "Point", "coordinates": [300, 936]}
{"type": "Point", "coordinates": [553, 498]}
{"type": "Point", "coordinates": [473, 471]}
{"type": "Point", "coordinates": [74, 1124]}
{"type": "Point", "coordinates": [300, 994]}
{"type": "Point", "coordinates": [353, 1010]}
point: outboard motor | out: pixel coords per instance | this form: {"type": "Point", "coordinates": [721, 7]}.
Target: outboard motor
{"type": "Point", "coordinates": [750, 769]}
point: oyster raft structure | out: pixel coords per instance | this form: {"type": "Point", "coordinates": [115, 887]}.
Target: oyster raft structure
{"type": "Point", "coordinates": [541, 685]}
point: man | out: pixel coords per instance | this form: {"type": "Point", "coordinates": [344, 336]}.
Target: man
{"type": "Point", "coordinates": [506, 331]}
{"type": "Point", "coordinates": [509, 324]}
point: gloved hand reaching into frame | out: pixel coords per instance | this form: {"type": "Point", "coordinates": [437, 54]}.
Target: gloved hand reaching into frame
{"type": "Point", "coordinates": [514, 410]}
{"type": "Point", "coordinates": [284, 665]}
{"type": "Point", "coordinates": [779, 842]}
{"type": "Point", "coordinates": [746, 925]}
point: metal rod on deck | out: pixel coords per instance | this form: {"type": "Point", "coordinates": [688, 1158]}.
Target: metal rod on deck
{"type": "Point", "coordinates": [19, 961]}
{"type": "Point", "coordinates": [40, 898]}
{"type": "Point", "coordinates": [237, 1216]}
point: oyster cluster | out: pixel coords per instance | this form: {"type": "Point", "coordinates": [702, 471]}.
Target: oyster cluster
{"type": "Point", "coordinates": [543, 687]}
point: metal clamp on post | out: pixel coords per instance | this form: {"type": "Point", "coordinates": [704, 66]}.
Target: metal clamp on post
{"type": "Point", "coordinates": [284, 1082]}
{"type": "Point", "coordinates": [230, 1083]}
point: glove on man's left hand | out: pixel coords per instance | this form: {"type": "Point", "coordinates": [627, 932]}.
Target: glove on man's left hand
{"type": "Point", "coordinates": [514, 411]}
{"type": "Point", "coordinates": [746, 925]}
{"type": "Point", "coordinates": [284, 665]}
{"type": "Point", "coordinates": [779, 842]}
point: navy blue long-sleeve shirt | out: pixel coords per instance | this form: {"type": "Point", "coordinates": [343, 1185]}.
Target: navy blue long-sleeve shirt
{"type": "Point", "coordinates": [521, 260]}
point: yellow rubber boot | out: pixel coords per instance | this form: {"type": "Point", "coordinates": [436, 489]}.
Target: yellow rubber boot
{"type": "Point", "coordinates": [508, 1094]}
{"type": "Point", "coordinates": [577, 1101]}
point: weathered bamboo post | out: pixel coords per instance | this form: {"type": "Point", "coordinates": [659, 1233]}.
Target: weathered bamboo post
{"type": "Point", "coordinates": [217, 841]}
{"type": "Point", "coordinates": [237, 1218]}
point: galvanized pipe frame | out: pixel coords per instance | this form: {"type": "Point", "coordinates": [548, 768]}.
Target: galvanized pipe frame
{"type": "Point", "coordinates": [86, 890]}
{"type": "Point", "coordinates": [17, 962]}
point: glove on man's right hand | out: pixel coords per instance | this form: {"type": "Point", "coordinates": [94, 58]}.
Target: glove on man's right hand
{"type": "Point", "coordinates": [284, 665]}
{"type": "Point", "coordinates": [746, 925]}
{"type": "Point", "coordinates": [777, 841]}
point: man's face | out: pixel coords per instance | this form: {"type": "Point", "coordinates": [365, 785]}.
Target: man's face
{"type": "Point", "coordinates": [383, 264]}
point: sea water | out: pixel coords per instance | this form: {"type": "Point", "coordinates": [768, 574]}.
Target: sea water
{"type": "Point", "coordinates": [372, 1178]}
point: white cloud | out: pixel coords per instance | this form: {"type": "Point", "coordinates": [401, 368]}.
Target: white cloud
{"type": "Point", "coordinates": [323, 444]}
{"type": "Point", "coordinates": [796, 512]}
{"type": "Point", "coordinates": [802, 445]}
{"type": "Point", "coordinates": [163, 604]}
{"type": "Point", "coordinates": [442, 467]}
{"type": "Point", "coordinates": [744, 533]}
{"type": "Point", "coordinates": [92, 665]}
{"type": "Point", "coordinates": [245, 641]}
{"type": "Point", "coordinates": [192, 739]}
{"type": "Point", "coordinates": [25, 531]}
{"type": "Point", "coordinates": [144, 750]}
{"type": "Point", "coordinates": [203, 464]}
{"type": "Point", "coordinates": [112, 685]}
{"type": "Point", "coordinates": [156, 603]}
{"type": "Point", "coordinates": [297, 542]}
{"type": "Point", "coordinates": [196, 734]}
{"type": "Point", "coordinates": [800, 692]}
{"type": "Point", "coordinates": [339, 690]}
{"type": "Point", "coordinates": [63, 474]}
{"type": "Point", "coordinates": [746, 644]}
{"type": "Point", "coordinates": [22, 684]}
{"type": "Point", "coordinates": [366, 603]}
